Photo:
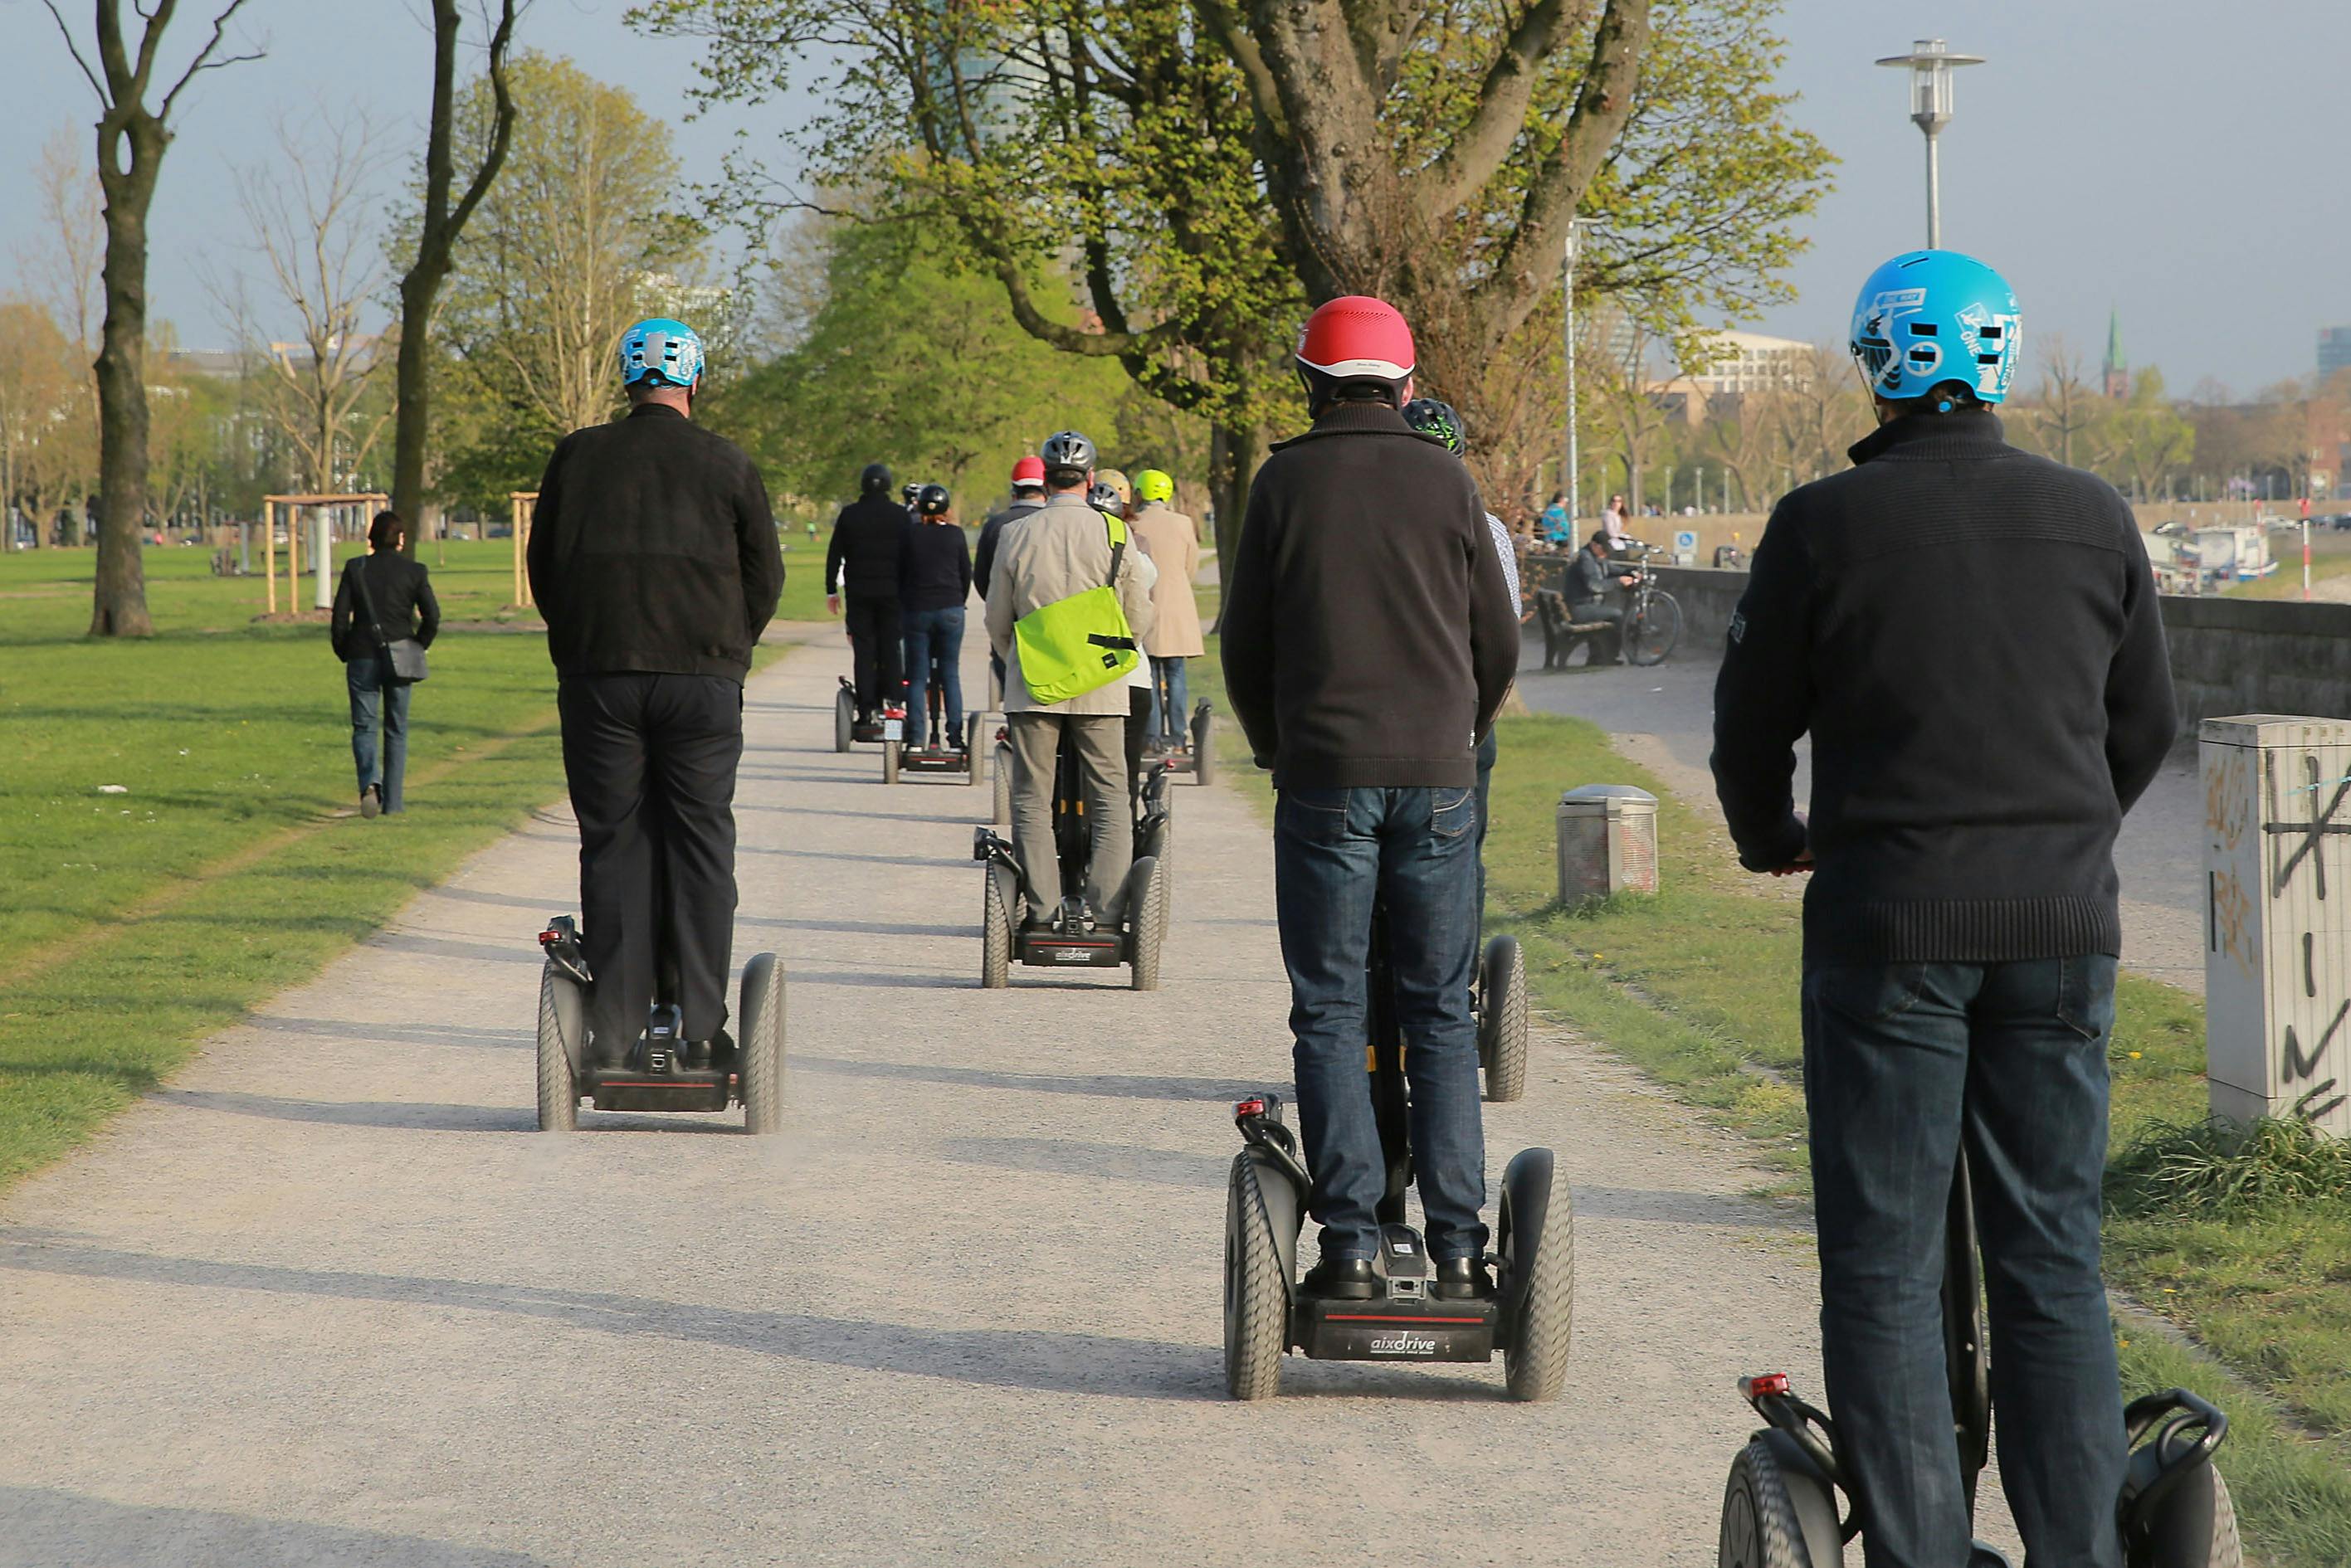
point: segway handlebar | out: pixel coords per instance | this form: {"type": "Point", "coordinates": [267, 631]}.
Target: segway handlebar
{"type": "Point", "coordinates": [1258, 1117]}
{"type": "Point", "coordinates": [1807, 1425]}
{"type": "Point", "coordinates": [2186, 1429]}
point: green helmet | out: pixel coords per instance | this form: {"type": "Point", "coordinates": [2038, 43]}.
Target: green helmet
{"type": "Point", "coordinates": [1152, 485]}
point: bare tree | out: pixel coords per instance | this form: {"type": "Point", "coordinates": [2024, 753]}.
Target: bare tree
{"type": "Point", "coordinates": [2066, 407]}
{"type": "Point", "coordinates": [131, 139]}
{"type": "Point", "coordinates": [48, 441]}
{"type": "Point", "coordinates": [64, 265]}
{"type": "Point", "coordinates": [309, 211]}
{"type": "Point", "coordinates": [1741, 434]}
{"type": "Point", "coordinates": [436, 237]}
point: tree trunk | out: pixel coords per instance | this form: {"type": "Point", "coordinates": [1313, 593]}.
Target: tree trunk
{"type": "Point", "coordinates": [119, 604]}
{"type": "Point", "coordinates": [1235, 451]}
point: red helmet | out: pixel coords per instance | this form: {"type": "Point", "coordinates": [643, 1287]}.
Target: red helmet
{"type": "Point", "coordinates": [1357, 338]}
{"type": "Point", "coordinates": [1029, 471]}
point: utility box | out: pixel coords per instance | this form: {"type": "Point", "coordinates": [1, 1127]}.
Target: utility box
{"type": "Point", "coordinates": [2277, 924]}
{"type": "Point", "coordinates": [1607, 842]}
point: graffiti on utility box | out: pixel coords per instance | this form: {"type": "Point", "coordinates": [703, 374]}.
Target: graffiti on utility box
{"type": "Point", "coordinates": [2277, 973]}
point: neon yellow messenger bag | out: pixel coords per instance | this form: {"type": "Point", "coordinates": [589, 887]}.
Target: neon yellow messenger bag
{"type": "Point", "coordinates": [1081, 643]}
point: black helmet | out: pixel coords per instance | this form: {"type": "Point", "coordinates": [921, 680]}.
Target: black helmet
{"type": "Point", "coordinates": [876, 480]}
{"type": "Point", "coordinates": [908, 490]}
{"type": "Point", "coordinates": [1103, 497]}
{"type": "Point", "coordinates": [1431, 417]}
{"type": "Point", "coordinates": [931, 501]}
{"type": "Point", "coordinates": [1068, 456]}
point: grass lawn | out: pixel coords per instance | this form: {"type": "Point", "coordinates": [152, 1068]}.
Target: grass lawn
{"type": "Point", "coordinates": [2286, 583]}
{"type": "Point", "coordinates": [1698, 986]}
{"type": "Point", "coordinates": [132, 924]}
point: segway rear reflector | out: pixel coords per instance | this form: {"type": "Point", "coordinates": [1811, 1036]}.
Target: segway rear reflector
{"type": "Point", "coordinates": [1248, 1108]}
{"type": "Point", "coordinates": [1764, 1385]}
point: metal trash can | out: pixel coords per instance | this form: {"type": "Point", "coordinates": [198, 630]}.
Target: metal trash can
{"type": "Point", "coordinates": [1607, 842]}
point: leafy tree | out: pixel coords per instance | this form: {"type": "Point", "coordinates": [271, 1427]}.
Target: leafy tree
{"type": "Point", "coordinates": [2150, 440]}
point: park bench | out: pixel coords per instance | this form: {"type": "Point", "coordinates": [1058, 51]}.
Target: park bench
{"type": "Point", "coordinates": [1559, 629]}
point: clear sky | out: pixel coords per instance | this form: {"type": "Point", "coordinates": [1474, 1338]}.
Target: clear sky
{"type": "Point", "coordinates": [2176, 161]}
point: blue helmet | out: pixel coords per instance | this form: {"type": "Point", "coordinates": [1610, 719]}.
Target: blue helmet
{"type": "Point", "coordinates": [664, 352]}
{"type": "Point", "coordinates": [1928, 317]}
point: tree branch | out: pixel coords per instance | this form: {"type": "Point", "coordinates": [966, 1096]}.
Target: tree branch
{"type": "Point", "coordinates": [204, 61]}
{"type": "Point", "coordinates": [1469, 161]}
{"type": "Point", "coordinates": [1265, 95]}
{"type": "Point", "coordinates": [75, 50]}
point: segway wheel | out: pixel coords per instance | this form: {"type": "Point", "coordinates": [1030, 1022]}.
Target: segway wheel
{"type": "Point", "coordinates": [1538, 1235]}
{"type": "Point", "coordinates": [761, 1054]}
{"type": "Point", "coordinates": [1003, 771]}
{"type": "Point", "coordinates": [1204, 744]}
{"type": "Point", "coordinates": [889, 762]}
{"type": "Point", "coordinates": [1147, 916]}
{"type": "Point", "coordinates": [2227, 1550]}
{"type": "Point", "coordinates": [1257, 1298]}
{"type": "Point", "coordinates": [1759, 1524]}
{"type": "Point", "coordinates": [995, 934]}
{"type": "Point", "coordinates": [844, 719]}
{"type": "Point", "coordinates": [971, 751]}
{"type": "Point", "coordinates": [559, 1090]}
{"type": "Point", "coordinates": [1502, 1020]}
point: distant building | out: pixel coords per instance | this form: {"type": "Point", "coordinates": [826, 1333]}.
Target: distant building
{"type": "Point", "coordinates": [1751, 362]}
{"type": "Point", "coordinates": [2118, 369]}
{"type": "Point", "coordinates": [2334, 351]}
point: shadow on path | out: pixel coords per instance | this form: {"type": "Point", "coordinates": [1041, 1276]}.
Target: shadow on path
{"type": "Point", "coordinates": [47, 1527]}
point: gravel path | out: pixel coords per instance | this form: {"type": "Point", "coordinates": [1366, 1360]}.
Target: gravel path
{"type": "Point", "coordinates": [1665, 716]}
{"type": "Point", "coordinates": [329, 1298]}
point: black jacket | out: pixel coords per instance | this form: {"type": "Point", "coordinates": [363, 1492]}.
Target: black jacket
{"type": "Point", "coordinates": [1368, 634]}
{"type": "Point", "coordinates": [1970, 634]}
{"type": "Point", "coordinates": [935, 571]}
{"type": "Point", "coordinates": [983, 564]}
{"type": "Point", "coordinates": [1591, 580]}
{"type": "Point", "coordinates": [652, 550]}
{"type": "Point", "coordinates": [869, 538]}
{"type": "Point", "coordinates": [404, 607]}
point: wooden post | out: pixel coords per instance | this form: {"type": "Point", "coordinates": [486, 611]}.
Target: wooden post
{"type": "Point", "coordinates": [269, 546]}
{"type": "Point", "coordinates": [514, 531]}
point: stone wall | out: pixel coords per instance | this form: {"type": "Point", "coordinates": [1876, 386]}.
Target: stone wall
{"type": "Point", "coordinates": [2228, 656]}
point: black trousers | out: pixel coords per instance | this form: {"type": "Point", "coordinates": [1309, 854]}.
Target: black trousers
{"type": "Point", "coordinates": [651, 760]}
{"type": "Point", "coordinates": [876, 652]}
{"type": "Point", "coordinates": [1138, 729]}
{"type": "Point", "coordinates": [1605, 645]}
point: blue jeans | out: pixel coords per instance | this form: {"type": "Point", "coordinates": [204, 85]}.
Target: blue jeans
{"type": "Point", "coordinates": [375, 695]}
{"type": "Point", "coordinates": [1338, 853]}
{"type": "Point", "coordinates": [1171, 702]}
{"type": "Point", "coordinates": [1904, 1065]}
{"type": "Point", "coordinates": [933, 634]}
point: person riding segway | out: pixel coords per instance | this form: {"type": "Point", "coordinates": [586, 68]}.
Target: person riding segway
{"type": "Point", "coordinates": [860, 572]}
{"type": "Point", "coordinates": [1961, 928]}
{"type": "Point", "coordinates": [654, 557]}
{"type": "Point", "coordinates": [934, 581]}
{"type": "Point", "coordinates": [1027, 495]}
{"type": "Point", "coordinates": [1368, 643]}
{"type": "Point", "coordinates": [1499, 1003]}
{"type": "Point", "coordinates": [1181, 738]}
{"type": "Point", "coordinates": [1067, 603]}
{"type": "Point", "coordinates": [1113, 496]}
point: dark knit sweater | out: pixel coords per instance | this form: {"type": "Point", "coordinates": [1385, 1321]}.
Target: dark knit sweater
{"type": "Point", "coordinates": [869, 538]}
{"type": "Point", "coordinates": [935, 567]}
{"type": "Point", "coordinates": [652, 551]}
{"type": "Point", "coordinates": [1368, 635]}
{"type": "Point", "coordinates": [1972, 637]}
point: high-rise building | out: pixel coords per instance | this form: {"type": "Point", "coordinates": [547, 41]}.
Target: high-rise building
{"type": "Point", "coordinates": [2334, 351]}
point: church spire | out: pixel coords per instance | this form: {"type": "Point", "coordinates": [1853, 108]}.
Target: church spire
{"type": "Point", "coordinates": [2118, 369]}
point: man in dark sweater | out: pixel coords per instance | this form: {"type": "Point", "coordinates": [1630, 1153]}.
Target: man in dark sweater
{"type": "Point", "coordinates": [1369, 638]}
{"type": "Point", "coordinates": [1970, 636]}
{"type": "Point", "coordinates": [860, 567]}
{"type": "Point", "coordinates": [1592, 582]}
{"type": "Point", "coordinates": [934, 581]}
{"type": "Point", "coordinates": [653, 557]}
{"type": "Point", "coordinates": [1028, 498]}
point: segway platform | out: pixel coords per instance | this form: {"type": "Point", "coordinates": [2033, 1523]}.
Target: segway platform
{"type": "Point", "coordinates": [1072, 937]}
{"type": "Point", "coordinates": [1406, 1324]}
{"type": "Point", "coordinates": [899, 760]}
{"type": "Point", "coordinates": [1781, 1508]}
{"type": "Point", "coordinates": [1199, 758]}
{"type": "Point", "coordinates": [657, 1075]}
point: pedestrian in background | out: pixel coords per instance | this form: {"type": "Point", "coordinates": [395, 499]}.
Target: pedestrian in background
{"type": "Point", "coordinates": [384, 617]}
{"type": "Point", "coordinates": [1173, 543]}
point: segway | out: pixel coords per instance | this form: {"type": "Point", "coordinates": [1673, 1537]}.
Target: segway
{"type": "Point", "coordinates": [934, 757]}
{"type": "Point", "coordinates": [1781, 1508]}
{"type": "Point", "coordinates": [887, 725]}
{"type": "Point", "coordinates": [1499, 1005]}
{"type": "Point", "coordinates": [1528, 1318]}
{"type": "Point", "coordinates": [1070, 934]}
{"type": "Point", "coordinates": [1197, 759]}
{"type": "Point", "coordinates": [657, 1075]}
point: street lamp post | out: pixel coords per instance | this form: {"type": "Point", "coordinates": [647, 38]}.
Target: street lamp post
{"type": "Point", "coordinates": [1930, 65]}
{"type": "Point", "coordinates": [1567, 287]}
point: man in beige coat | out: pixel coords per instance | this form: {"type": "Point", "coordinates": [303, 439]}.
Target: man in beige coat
{"type": "Point", "coordinates": [1062, 549]}
{"type": "Point", "coordinates": [1172, 542]}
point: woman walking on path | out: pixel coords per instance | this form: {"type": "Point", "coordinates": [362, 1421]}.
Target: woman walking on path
{"type": "Point", "coordinates": [384, 598]}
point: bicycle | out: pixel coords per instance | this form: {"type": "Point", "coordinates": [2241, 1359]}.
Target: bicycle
{"type": "Point", "coordinates": [1653, 618]}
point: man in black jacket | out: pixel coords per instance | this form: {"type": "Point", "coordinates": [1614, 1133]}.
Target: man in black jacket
{"type": "Point", "coordinates": [860, 566]}
{"type": "Point", "coordinates": [1592, 582]}
{"type": "Point", "coordinates": [1970, 636]}
{"type": "Point", "coordinates": [653, 557]}
{"type": "Point", "coordinates": [1369, 640]}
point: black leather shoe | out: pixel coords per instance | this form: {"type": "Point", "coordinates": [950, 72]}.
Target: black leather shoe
{"type": "Point", "coordinates": [1462, 1279]}
{"type": "Point", "coordinates": [1343, 1280]}
{"type": "Point", "coordinates": [699, 1052]}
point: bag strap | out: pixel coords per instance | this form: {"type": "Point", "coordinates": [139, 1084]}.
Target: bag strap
{"type": "Point", "coordinates": [1117, 549]}
{"type": "Point", "coordinates": [360, 590]}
